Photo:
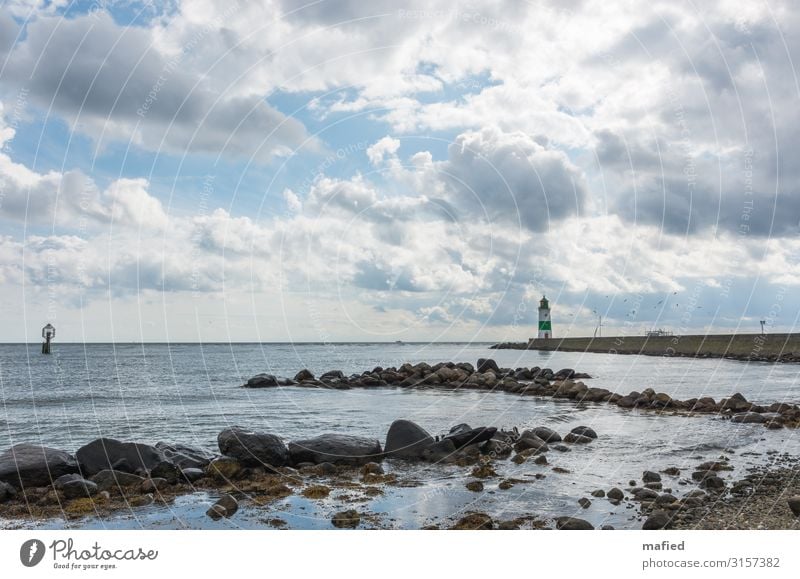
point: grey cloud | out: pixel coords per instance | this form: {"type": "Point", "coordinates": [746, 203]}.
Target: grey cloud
{"type": "Point", "coordinates": [509, 177]}
{"type": "Point", "coordinates": [107, 78]}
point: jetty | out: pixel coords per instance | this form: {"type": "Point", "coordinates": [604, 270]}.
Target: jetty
{"type": "Point", "coordinates": [747, 347]}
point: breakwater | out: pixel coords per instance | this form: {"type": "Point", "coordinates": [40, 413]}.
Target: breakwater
{"type": "Point", "coordinates": [748, 347]}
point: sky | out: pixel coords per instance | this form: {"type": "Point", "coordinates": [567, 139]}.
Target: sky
{"type": "Point", "coordinates": [193, 170]}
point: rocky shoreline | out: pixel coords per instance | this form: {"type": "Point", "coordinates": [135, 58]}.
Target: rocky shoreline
{"type": "Point", "coordinates": [544, 382]}
{"type": "Point", "coordinates": [257, 469]}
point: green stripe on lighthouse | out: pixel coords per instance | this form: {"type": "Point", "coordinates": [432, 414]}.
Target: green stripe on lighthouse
{"type": "Point", "coordinates": [544, 325]}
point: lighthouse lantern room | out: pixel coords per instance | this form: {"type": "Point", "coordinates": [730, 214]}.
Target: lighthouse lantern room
{"type": "Point", "coordinates": [545, 328]}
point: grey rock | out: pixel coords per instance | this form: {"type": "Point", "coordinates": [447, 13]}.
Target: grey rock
{"type": "Point", "coordinates": [649, 476]}
{"type": "Point", "coordinates": [615, 494]}
{"type": "Point", "coordinates": [108, 453]}
{"type": "Point", "coordinates": [335, 448]}
{"type": "Point", "coordinates": [794, 505]}
{"type": "Point", "coordinates": [262, 381]}
{"type": "Point", "coordinates": [185, 456]}
{"type": "Point", "coordinates": [168, 471]}
{"type": "Point", "coordinates": [487, 365]}
{"type": "Point", "coordinates": [584, 431]}
{"type": "Point", "coordinates": [31, 465]}
{"type": "Point", "coordinates": [441, 451]}
{"type": "Point", "coordinates": [225, 506]}
{"type": "Point", "coordinates": [577, 438]}
{"type": "Point", "coordinates": [573, 524]}
{"type": "Point", "coordinates": [192, 474]}
{"type": "Point", "coordinates": [107, 479]}
{"type": "Point", "coordinates": [658, 520]}
{"type": "Point", "coordinates": [748, 418]}
{"type": "Point", "coordinates": [547, 434]}
{"type": "Point", "coordinates": [7, 492]}
{"type": "Point", "coordinates": [407, 440]}
{"type": "Point", "coordinates": [348, 519]}
{"type": "Point", "coordinates": [253, 448]}
{"type": "Point", "coordinates": [80, 488]}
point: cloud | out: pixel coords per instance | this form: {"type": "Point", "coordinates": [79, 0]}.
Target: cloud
{"type": "Point", "coordinates": [510, 178]}
{"type": "Point", "coordinates": [114, 84]}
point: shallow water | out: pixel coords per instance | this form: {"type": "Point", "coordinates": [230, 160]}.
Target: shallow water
{"type": "Point", "coordinates": [188, 393]}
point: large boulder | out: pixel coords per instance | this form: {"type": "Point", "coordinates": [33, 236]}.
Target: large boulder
{"type": "Point", "coordinates": [6, 491]}
{"type": "Point", "coordinates": [253, 448]}
{"type": "Point", "coordinates": [406, 439]}
{"type": "Point", "coordinates": [462, 437]}
{"type": "Point", "coordinates": [110, 454]}
{"type": "Point", "coordinates": [185, 456]}
{"type": "Point", "coordinates": [335, 448]}
{"type": "Point", "coordinates": [573, 524]}
{"type": "Point", "coordinates": [262, 381]}
{"type": "Point", "coordinates": [546, 434]}
{"type": "Point", "coordinates": [487, 365]}
{"type": "Point", "coordinates": [33, 465]}
{"type": "Point", "coordinates": [109, 479]}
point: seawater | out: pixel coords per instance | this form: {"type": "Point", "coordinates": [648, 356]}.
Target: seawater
{"type": "Point", "coordinates": [189, 392]}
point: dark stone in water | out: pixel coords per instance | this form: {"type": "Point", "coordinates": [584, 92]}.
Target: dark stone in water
{"type": "Point", "coordinates": [253, 448]}
{"type": "Point", "coordinates": [32, 465]}
{"type": "Point", "coordinates": [573, 524]}
{"type": "Point", "coordinates": [546, 434]}
{"type": "Point", "coordinates": [185, 456]}
{"type": "Point", "coordinates": [108, 453]}
{"type": "Point", "coordinates": [473, 436]}
{"type": "Point", "coordinates": [335, 448]}
{"type": "Point", "coordinates": [584, 431]}
{"type": "Point", "coordinates": [487, 365]}
{"type": "Point", "coordinates": [80, 488]}
{"type": "Point", "coordinates": [658, 520]}
{"type": "Point", "coordinates": [406, 439]}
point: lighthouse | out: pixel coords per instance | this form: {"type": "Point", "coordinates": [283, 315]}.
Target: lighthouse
{"type": "Point", "coordinates": [545, 328]}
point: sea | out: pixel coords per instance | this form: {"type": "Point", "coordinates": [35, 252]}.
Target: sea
{"type": "Point", "coordinates": [188, 393]}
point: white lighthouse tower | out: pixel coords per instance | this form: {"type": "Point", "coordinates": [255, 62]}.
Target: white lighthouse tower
{"type": "Point", "coordinates": [545, 328]}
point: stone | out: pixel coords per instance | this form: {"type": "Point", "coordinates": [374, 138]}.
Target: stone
{"type": "Point", "coordinates": [63, 479]}
{"type": "Point", "coordinates": [252, 448]}
{"type": "Point", "coordinates": [658, 520]}
{"type": "Point", "coordinates": [152, 485]}
{"type": "Point", "coordinates": [649, 476]}
{"type": "Point", "coordinates": [111, 454]}
{"type": "Point", "coordinates": [748, 418]}
{"type": "Point", "coordinates": [303, 375]}
{"type": "Point", "coordinates": [584, 502]}
{"type": "Point", "coordinates": [794, 505]}
{"type": "Point", "coordinates": [168, 471]}
{"type": "Point", "coordinates": [599, 493]}
{"type": "Point", "coordinates": [475, 486]}
{"type": "Point", "coordinates": [577, 438]}
{"type": "Point", "coordinates": [546, 434]}
{"type": "Point", "coordinates": [474, 522]}
{"type": "Point", "coordinates": [79, 488]}
{"type": "Point", "coordinates": [615, 494]}
{"type": "Point", "coordinates": [672, 471]}
{"type": "Point", "coordinates": [262, 381]}
{"type": "Point", "coordinates": [584, 431]}
{"type": "Point", "coordinates": [487, 365]}
{"type": "Point", "coordinates": [474, 436]}
{"type": "Point", "coordinates": [336, 448]}
{"type": "Point", "coordinates": [31, 465]}
{"type": "Point", "coordinates": [712, 482]}
{"type": "Point", "coordinates": [224, 468]}
{"type": "Point", "coordinates": [348, 519]}
{"type": "Point", "coordinates": [645, 494]}
{"type": "Point", "coordinates": [108, 479]}
{"type": "Point", "coordinates": [540, 460]}
{"type": "Point", "coordinates": [7, 492]}
{"type": "Point", "coordinates": [406, 440]}
{"type": "Point", "coordinates": [191, 475]}
{"type": "Point", "coordinates": [372, 468]}
{"type": "Point", "coordinates": [530, 441]}
{"type": "Point", "coordinates": [573, 524]}
{"type": "Point", "coordinates": [332, 375]}
{"type": "Point", "coordinates": [185, 456]}
{"type": "Point", "coordinates": [226, 506]}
